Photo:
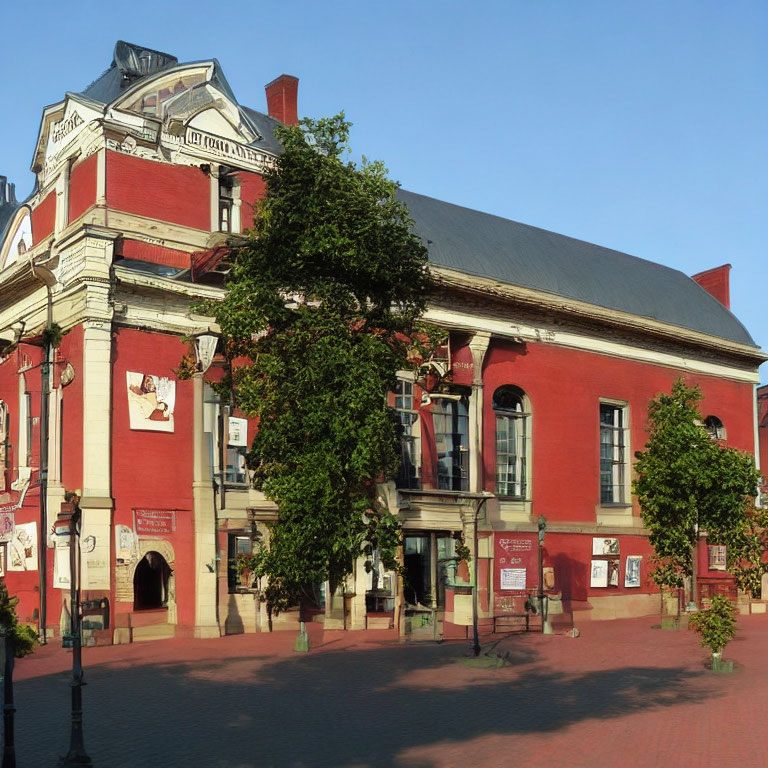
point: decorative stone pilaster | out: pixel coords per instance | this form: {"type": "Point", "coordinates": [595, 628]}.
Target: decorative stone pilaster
{"type": "Point", "coordinates": [206, 624]}
{"type": "Point", "coordinates": [478, 346]}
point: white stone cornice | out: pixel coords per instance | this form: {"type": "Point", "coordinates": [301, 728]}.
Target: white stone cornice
{"type": "Point", "coordinates": [580, 310]}
{"type": "Point", "coordinates": [455, 319]}
{"type": "Point", "coordinates": [154, 282]}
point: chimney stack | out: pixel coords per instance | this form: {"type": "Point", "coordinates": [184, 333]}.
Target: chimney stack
{"type": "Point", "coordinates": [7, 192]}
{"type": "Point", "coordinates": [282, 95]}
{"type": "Point", "coordinates": [716, 282]}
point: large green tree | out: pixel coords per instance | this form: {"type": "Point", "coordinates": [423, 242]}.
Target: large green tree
{"type": "Point", "coordinates": [688, 483]}
{"type": "Point", "coordinates": [323, 303]}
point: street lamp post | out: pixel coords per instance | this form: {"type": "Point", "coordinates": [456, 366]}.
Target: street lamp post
{"type": "Point", "coordinates": [76, 755]}
{"type": "Point", "coordinates": [542, 525]}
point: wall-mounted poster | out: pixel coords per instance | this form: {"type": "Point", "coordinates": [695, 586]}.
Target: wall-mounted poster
{"type": "Point", "coordinates": [125, 542]}
{"type": "Point", "coordinates": [7, 524]}
{"type": "Point", "coordinates": [2, 560]}
{"type": "Point", "coordinates": [632, 571]}
{"type": "Point", "coordinates": [61, 565]}
{"type": "Point", "coordinates": [605, 546]}
{"type": "Point", "coordinates": [150, 522]}
{"type": "Point", "coordinates": [599, 574]}
{"type": "Point", "coordinates": [613, 573]}
{"type": "Point", "coordinates": [151, 400]}
{"type": "Point", "coordinates": [238, 431]}
{"type": "Point", "coordinates": [512, 578]}
{"type": "Point", "coordinates": [22, 550]}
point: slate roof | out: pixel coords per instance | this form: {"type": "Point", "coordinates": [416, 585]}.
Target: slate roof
{"type": "Point", "coordinates": [6, 214]}
{"type": "Point", "coordinates": [490, 246]}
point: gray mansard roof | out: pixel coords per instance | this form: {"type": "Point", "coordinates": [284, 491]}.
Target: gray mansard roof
{"type": "Point", "coordinates": [489, 246]}
{"type": "Point", "coordinates": [131, 63]}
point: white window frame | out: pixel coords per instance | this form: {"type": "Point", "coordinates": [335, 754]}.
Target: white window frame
{"type": "Point", "coordinates": [522, 461]}
{"type": "Point", "coordinates": [620, 452]}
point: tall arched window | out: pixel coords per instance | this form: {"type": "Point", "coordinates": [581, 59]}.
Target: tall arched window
{"type": "Point", "coordinates": [511, 441]}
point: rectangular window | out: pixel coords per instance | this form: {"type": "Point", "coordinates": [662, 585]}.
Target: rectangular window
{"type": "Point", "coordinates": [236, 472]}
{"type": "Point", "coordinates": [717, 558]}
{"type": "Point", "coordinates": [510, 455]}
{"type": "Point", "coordinates": [452, 444]}
{"type": "Point", "coordinates": [226, 200]}
{"type": "Point", "coordinates": [410, 444]}
{"type": "Point", "coordinates": [613, 456]}
{"type": "Point", "coordinates": [28, 423]}
{"type": "Point", "coordinates": [237, 544]}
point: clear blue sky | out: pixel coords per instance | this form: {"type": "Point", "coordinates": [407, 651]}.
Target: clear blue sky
{"type": "Point", "coordinates": [641, 126]}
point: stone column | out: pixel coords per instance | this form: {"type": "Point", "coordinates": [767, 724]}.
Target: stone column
{"type": "Point", "coordinates": [206, 583]}
{"type": "Point", "coordinates": [478, 347]}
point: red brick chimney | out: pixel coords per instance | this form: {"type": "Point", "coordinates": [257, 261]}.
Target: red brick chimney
{"type": "Point", "coordinates": [282, 99]}
{"type": "Point", "coordinates": [715, 282]}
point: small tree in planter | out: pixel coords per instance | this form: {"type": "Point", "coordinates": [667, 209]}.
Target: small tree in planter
{"type": "Point", "coordinates": [716, 625]}
{"type": "Point", "coordinates": [24, 637]}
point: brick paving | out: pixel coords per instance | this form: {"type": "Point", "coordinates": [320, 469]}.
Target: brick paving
{"type": "Point", "coordinates": [622, 694]}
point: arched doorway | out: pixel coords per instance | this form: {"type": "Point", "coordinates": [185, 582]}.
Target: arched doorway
{"type": "Point", "coordinates": [150, 582]}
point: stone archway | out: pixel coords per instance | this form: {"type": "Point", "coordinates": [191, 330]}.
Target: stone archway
{"type": "Point", "coordinates": [154, 570]}
{"type": "Point", "coordinates": [150, 582]}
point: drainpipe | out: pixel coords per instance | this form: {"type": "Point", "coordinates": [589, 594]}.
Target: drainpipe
{"type": "Point", "coordinates": [48, 279]}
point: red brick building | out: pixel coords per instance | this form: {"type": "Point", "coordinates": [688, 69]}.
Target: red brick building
{"type": "Point", "coordinates": [555, 347]}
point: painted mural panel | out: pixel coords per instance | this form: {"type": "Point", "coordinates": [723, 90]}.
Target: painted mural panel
{"type": "Point", "coordinates": [151, 401]}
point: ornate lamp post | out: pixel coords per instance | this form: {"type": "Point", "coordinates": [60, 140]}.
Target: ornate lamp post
{"type": "Point", "coordinates": [70, 513]}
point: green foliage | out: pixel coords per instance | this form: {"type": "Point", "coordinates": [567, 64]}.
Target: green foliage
{"type": "Point", "coordinates": [716, 624]}
{"type": "Point", "coordinates": [52, 335]}
{"type": "Point", "coordinates": [687, 482]}
{"type": "Point", "coordinates": [462, 550]}
{"type": "Point", "coordinates": [24, 637]}
{"type": "Point", "coordinates": [322, 309]}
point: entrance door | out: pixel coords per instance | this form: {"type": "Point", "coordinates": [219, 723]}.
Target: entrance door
{"type": "Point", "coordinates": [150, 582]}
{"type": "Point", "coordinates": [430, 563]}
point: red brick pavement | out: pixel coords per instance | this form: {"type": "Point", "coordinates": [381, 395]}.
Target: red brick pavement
{"type": "Point", "coordinates": [622, 694]}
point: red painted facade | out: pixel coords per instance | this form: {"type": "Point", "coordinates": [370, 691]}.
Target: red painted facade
{"type": "Point", "coordinates": [44, 218]}
{"type": "Point", "coordinates": [156, 254]}
{"type": "Point", "coordinates": [82, 187]}
{"type": "Point", "coordinates": [252, 189]}
{"type": "Point", "coordinates": [153, 470]}
{"type": "Point", "coordinates": [177, 194]}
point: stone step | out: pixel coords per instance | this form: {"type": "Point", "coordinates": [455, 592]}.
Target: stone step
{"type": "Point", "coordinates": [153, 632]}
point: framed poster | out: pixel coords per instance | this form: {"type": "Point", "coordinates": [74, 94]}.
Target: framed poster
{"type": "Point", "coordinates": [512, 578]}
{"type": "Point", "coordinates": [613, 573]}
{"type": "Point", "coordinates": [604, 545]}
{"type": "Point", "coordinates": [151, 401]}
{"type": "Point", "coordinates": [599, 574]}
{"type": "Point", "coordinates": [632, 571]}
{"type": "Point", "coordinates": [22, 551]}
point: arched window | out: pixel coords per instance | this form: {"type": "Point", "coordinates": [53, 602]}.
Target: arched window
{"type": "Point", "coordinates": [511, 441]}
{"type": "Point", "coordinates": [715, 427]}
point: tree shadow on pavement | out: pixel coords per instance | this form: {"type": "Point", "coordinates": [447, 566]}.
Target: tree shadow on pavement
{"type": "Point", "coordinates": [337, 709]}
